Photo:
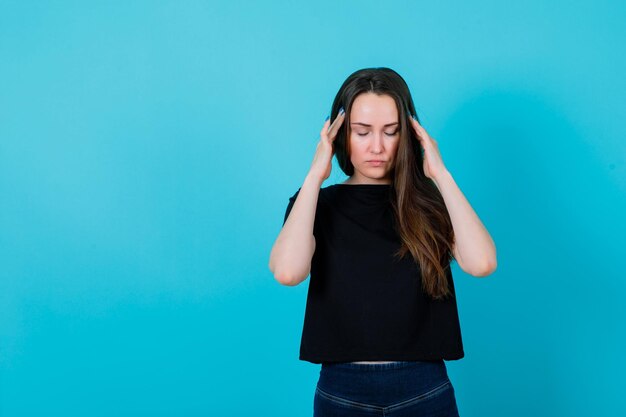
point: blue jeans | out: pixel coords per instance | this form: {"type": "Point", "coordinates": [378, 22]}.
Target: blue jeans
{"type": "Point", "coordinates": [398, 389]}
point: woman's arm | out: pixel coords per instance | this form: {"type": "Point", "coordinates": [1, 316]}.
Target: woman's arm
{"type": "Point", "coordinates": [474, 249]}
{"type": "Point", "coordinates": [290, 258]}
{"type": "Point", "coordinates": [291, 255]}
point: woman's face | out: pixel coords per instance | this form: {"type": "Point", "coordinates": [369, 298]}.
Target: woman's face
{"type": "Point", "coordinates": [374, 136]}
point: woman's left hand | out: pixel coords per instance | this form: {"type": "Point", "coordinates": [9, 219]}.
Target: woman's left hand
{"type": "Point", "coordinates": [433, 164]}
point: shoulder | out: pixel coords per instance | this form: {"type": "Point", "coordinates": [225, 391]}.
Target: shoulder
{"type": "Point", "coordinates": [324, 191]}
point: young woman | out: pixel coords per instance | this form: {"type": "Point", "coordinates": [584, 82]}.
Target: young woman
{"type": "Point", "coordinates": [381, 314]}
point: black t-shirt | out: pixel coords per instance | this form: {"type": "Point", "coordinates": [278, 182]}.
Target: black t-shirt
{"type": "Point", "coordinates": [362, 303]}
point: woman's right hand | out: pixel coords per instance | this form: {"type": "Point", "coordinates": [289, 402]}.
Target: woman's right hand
{"type": "Point", "coordinates": [322, 161]}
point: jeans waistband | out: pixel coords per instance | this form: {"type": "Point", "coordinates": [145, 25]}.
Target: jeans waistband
{"type": "Point", "coordinates": [378, 366]}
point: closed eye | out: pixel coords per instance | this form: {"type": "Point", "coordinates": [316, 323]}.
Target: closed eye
{"type": "Point", "coordinates": [388, 134]}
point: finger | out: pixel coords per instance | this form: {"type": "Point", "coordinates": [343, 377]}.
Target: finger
{"type": "Point", "coordinates": [416, 125]}
{"type": "Point", "coordinates": [422, 135]}
{"type": "Point", "coordinates": [334, 128]}
{"type": "Point", "coordinates": [339, 115]}
{"type": "Point", "coordinates": [414, 120]}
{"type": "Point", "coordinates": [418, 134]}
{"type": "Point", "coordinates": [324, 130]}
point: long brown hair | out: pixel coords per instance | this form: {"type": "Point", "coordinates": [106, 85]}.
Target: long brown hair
{"type": "Point", "coordinates": [421, 217]}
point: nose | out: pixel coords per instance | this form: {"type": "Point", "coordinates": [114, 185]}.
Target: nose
{"type": "Point", "coordinates": [376, 145]}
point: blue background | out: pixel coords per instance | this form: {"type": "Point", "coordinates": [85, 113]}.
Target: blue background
{"type": "Point", "coordinates": [148, 150]}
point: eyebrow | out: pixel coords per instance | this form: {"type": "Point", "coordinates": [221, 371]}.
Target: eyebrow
{"type": "Point", "coordinates": [366, 125]}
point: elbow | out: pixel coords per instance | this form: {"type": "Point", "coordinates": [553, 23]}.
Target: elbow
{"type": "Point", "coordinates": [292, 272]}
{"type": "Point", "coordinates": [287, 282]}
{"type": "Point", "coordinates": [485, 269]}
{"type": "Point", "coordinates": [281, 277]}
{"type": "Point", "coordinates": [484, 265]}
{"type": "Point", "coordinates": [287, 278]}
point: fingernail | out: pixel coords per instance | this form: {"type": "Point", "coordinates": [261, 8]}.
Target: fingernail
{"type": "Point", "coordinates": [341, 110]}
{"type": "Point", "coordinates": [327, 117]}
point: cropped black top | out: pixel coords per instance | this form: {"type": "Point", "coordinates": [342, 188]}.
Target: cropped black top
{"type": "Point", "coordinates": [362, 303]}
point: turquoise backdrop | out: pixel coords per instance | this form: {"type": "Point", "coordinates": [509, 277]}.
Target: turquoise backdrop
{"type": "Point", "coordinates": [148, 150]}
